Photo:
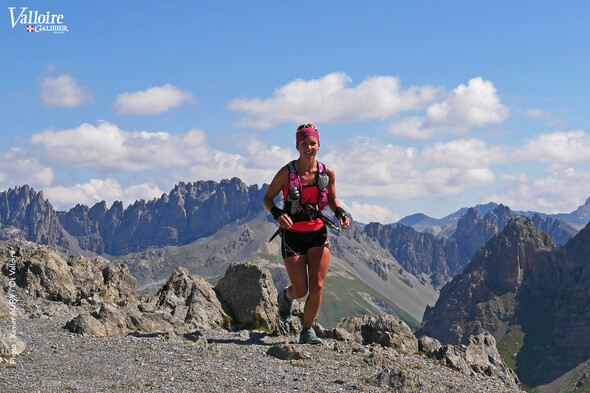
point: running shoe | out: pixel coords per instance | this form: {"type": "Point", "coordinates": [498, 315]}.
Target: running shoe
{"type": "Point", "coordinates": [284, 306]}
{"type": "Point", "coordinates": [308, 336]}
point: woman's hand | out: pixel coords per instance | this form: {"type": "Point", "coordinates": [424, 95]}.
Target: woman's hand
{"type": "Point", "coordinates": [285, 221]}
{"type": "Point", "coordinates": [344, 222]}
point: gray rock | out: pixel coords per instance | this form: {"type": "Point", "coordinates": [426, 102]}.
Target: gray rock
{"type": "Point", "coordinates": [26, 214]}
{"type": "Point", "coordinates": [193, 300]}
{"type": "Point", "coordinates": [387, 330]}
{"type": "Point", "coordinates": [429, 346]}
{"type": "Point", "coordinates": [110, 280]}
{"type": "Point", "coordinates": [285, 352]}
{"type": "Point", "coordinates": [111, 320]}
{"type": "Point", "coordinates": [249, 292]}
{"type": "Point", "coordinates": [10, 346]}
{"type": "Point", "coordinates": [396, 378]}
{"type": "Point", "coordinates": [40, 270]}
{"type": "Point", "coordinates": [44, 272]}
{"type": "Point", "coordinates": [479, 356]}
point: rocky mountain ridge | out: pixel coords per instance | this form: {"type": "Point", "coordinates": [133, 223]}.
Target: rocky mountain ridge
{"type": "Point", "coordinates": [442, 258]}
{"type": "Point", "coordinates": [190, 211]}
{"type": "Point", "coordinates": [207, 225]}
{"type": "Point", "coordinates": [530, 294]}
{"type": "Point", "coordinates": [188, 308]}
{"type": "Point", "coordinates": [419, 252]}
{"type": "Point", "coordinates": [447, 225]}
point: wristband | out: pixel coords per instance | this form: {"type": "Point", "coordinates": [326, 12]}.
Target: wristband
{"type": "Point", "coordinates": [340, 212]}
{"type": "Point", "coordinates": [276, 212]}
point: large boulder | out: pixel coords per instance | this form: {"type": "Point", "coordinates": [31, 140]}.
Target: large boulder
{"type": "Point", "coordinates": [387, 330]}
{"type": "Point", "coordinates": [249, 292]}
{"type": "Point", "coordinates": [192, 299]}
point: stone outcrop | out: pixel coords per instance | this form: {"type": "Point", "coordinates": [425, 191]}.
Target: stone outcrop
{"type": "Point", "coordinates": [479, 356]}
{"type": "Point", "coordinates": [110, 305]}
{"type": "Point", "coordinates": [108, 319]}
{"type": "Point", "coordinates": [194, 301]}
{"type": "Point", "coordinates": [251, 294]}
{"type": "Point", "coordinates": [187, 305]}
{"type": "Point", "coordinates": [482, 297]}
{"type": "Point", "coordinates": [386, 330]}
{"type": "Point", "coordinates": [44, 272]}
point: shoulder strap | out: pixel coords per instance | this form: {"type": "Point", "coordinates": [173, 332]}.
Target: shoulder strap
{"type": "Point", "coordinates": [323, 181]}
{"type": "Point", "coordinates": [293, 176]}
{"type": "Point", "coordinates": [323, 178]}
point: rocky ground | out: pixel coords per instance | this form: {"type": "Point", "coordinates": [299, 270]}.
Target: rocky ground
{"type": "Point", "coordinates": [56, 360]}
{"type": "Point", "coordinates": [78, 324]}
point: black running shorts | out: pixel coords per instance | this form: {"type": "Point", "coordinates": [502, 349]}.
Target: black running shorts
{"type": "Point", "coordinates": [297, 243]}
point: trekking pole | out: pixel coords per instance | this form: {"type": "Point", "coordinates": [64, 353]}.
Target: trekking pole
{"type": "Point", "coordinates": [329, 223]}
{"type": "Point", "coordinates": [275, 234]}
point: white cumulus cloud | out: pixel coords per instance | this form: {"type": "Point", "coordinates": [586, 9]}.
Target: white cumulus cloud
{"type": "Point", "coordinates": [560, 147]}
{"type": "Point", "coordinates": [558, 189]}
{"type": "Point", "coordinates": [18, 167]}
{"type": "Point", "coordinates": [466, 153]}
{"type": "Point", "coordinates": [366, 213]}
{"type": "Point", "coordinates": [329, 100]}
{"type": "Point", "coordinates": [473, 105]}
{"type": "Point", "coordinates": [152, 101]}
{"type": "Point", "coordinates": [107, 148]}
{"type": "Point", "coordinates": [96, 190]}
{"type": "Point", "coordinates": [396, 173]}
{"type": "Point", "coordinates": [63, 91]}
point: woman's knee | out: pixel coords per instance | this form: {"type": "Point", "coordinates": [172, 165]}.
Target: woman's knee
{"type": "Point", "coordinates": [299, 291]}
{"type": "Point", "coordinates": [316, 288]}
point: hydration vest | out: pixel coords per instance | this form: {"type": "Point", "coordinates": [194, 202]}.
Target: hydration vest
{"type": "Point", "coordinates": [295, 182]}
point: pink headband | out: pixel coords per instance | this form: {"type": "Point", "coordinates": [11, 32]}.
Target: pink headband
{"type": "Point", "coordinates": [302, 133]}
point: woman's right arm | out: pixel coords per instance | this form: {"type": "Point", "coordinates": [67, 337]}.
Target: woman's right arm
{"type": "Point", "coordinates": [276, 186]}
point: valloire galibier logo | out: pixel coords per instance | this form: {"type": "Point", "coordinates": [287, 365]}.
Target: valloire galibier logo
{"type": "Point", "coordinates": [37, 22]}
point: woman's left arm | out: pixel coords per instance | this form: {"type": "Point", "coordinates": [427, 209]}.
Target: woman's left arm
{"type": "Point", "coordinates": [333, 202]}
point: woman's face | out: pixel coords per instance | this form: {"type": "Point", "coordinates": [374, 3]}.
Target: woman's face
{"type": "Point", "coordinates": [308, 146]}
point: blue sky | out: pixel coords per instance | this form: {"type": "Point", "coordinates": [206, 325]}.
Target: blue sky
{"type": "Point", "coordinates": [422, 106]}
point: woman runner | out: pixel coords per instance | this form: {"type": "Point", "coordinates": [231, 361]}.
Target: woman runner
{"type": "Point", "coordinates": [304, 240]}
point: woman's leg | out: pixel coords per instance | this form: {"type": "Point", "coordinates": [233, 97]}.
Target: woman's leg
{"type": "Point", "coordinates": [318, 260]}
{"type": "Point", "coordinates": [297, 270]}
